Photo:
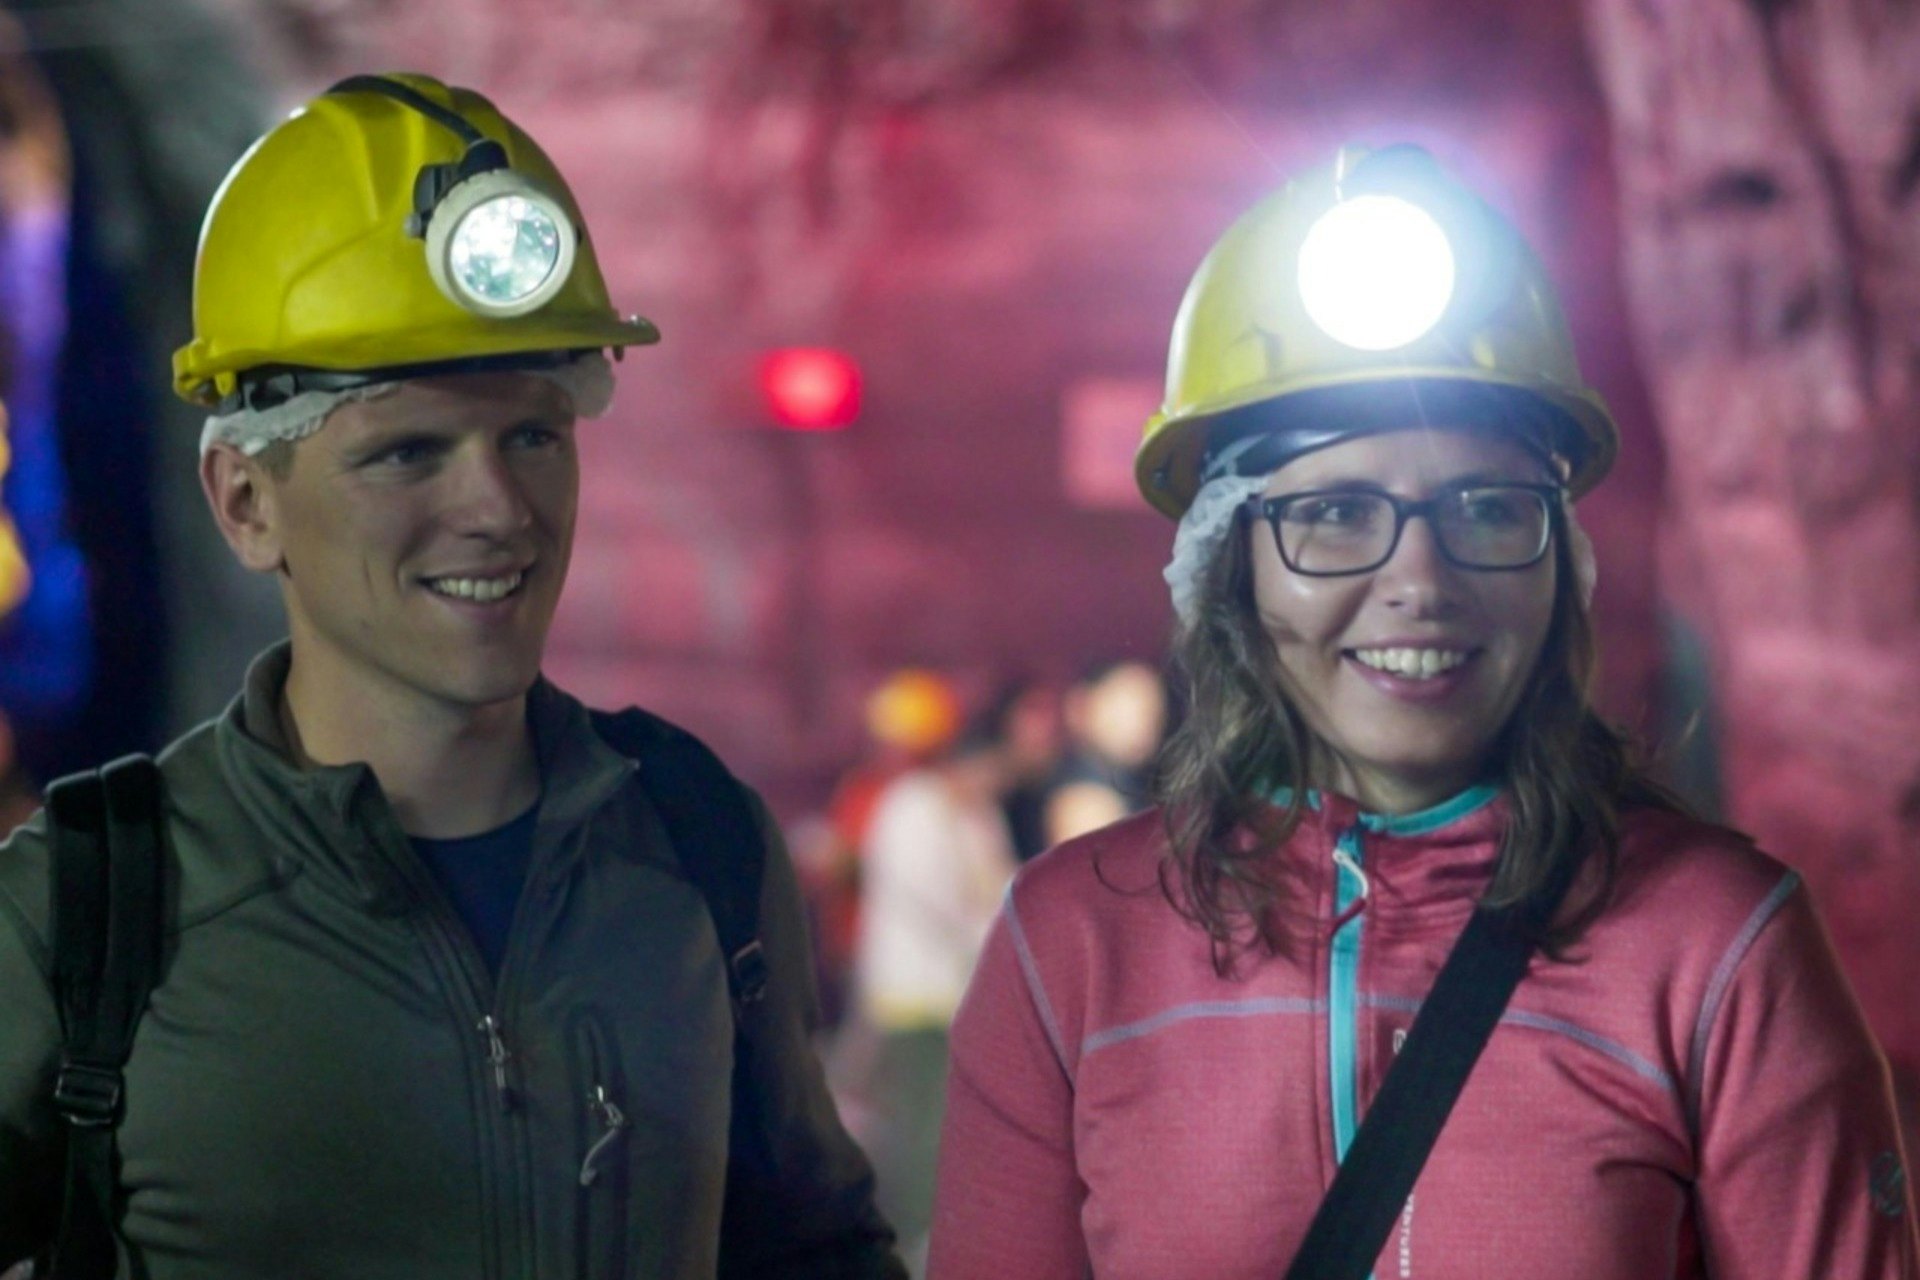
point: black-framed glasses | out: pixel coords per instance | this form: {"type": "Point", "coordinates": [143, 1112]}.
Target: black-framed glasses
{"type": "Point", "coordinates": [1325, 533]}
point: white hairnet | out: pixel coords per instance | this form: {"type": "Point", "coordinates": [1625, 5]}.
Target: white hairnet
{"type": "Point", "coordinates": [588, 382]}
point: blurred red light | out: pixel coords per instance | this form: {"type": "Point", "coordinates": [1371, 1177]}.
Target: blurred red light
{"type": "Point", "coordinates": [811, 388]}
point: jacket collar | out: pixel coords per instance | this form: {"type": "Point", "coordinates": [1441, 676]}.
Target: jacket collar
{"type": "Point", "coordinates": [1433, 864]}
{"type": "Point", "coordinates": [338, 813]}
{"type": "Point", "coordinates": [1453, 816]}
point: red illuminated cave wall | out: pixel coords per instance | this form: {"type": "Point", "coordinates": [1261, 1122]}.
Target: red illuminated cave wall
{"type": "Point", "coordinates": [1770, 162]}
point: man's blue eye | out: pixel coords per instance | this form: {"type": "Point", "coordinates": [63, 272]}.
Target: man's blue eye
{"type": "Point", "coordinates": [406, 453]}
{"type": "Point", "coordinates": [534, 436]}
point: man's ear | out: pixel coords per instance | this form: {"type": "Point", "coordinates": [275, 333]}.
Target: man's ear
{"type": "Point", "coordinates": [244, 504]}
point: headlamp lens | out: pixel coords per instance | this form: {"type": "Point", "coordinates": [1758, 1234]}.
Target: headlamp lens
{"type": "Point", "coordinates": [502, 251]}
{"type": "Point", "coordinates": [1376, 272]}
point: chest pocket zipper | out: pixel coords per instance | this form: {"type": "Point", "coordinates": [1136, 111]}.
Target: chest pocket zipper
{"type": "Point", "coordinates": [602, 1189]}
{"type": "Point", "coordinates": [614, 1122]}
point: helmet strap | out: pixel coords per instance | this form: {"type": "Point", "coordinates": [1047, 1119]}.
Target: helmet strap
{"type": "Point", "coordinates": [434, 181]}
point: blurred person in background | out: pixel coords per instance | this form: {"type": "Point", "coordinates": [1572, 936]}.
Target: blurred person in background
{"type": "Point", "coordinates": [1184, 1026]}
{"type": "Point", "coordinates": [1116, 717]}
{"type": "Point", "coordinates": [910, 718]}
{"type": "Point", "coordinates": [443, 992]}
{"type": "Point", "coordinates": [934, 867]}
{"type": "Point", "coordinates": [1034, 734]}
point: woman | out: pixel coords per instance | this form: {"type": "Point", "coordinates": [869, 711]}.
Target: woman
{"type": "Point", "coordinates": [1179, 1021]}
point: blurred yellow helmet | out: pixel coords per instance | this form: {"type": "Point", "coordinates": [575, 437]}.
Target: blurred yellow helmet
{"type": "Point", "coordinates": [914, 711]}
{"type": "Point", "coordinates": [1371, 294]}
{"type": "Point", "coordinates": [392, 226]}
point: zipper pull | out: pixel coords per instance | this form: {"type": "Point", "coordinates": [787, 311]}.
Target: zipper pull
{"type": "Point", "coordinates": [1352, 864]}
{"type": "Point", "coordinates": [1347, 862]}
{"type": "Point", "coordinates": [497, 1055]}
{"type": "Point", "coordinates": [614, 1119]}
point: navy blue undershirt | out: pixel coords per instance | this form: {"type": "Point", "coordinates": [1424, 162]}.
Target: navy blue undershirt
{"type": "Point", "coordinates": [482, 875]}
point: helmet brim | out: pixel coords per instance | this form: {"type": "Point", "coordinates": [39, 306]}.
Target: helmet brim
{"type": "Point", "coordinates": [207, 378]}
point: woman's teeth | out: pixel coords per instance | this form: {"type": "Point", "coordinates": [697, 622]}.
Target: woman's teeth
{"type": "Point", "coordinates": [483, 590]}
{"type": "Point", "coordinates": [1415, 664]}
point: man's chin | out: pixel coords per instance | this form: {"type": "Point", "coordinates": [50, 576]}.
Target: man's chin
{"type": "Point", "coordinates": [479, 690]}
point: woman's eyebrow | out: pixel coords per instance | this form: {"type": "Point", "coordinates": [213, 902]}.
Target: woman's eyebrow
{"type": "Point", "coordinates": [1372, 484]}
{"type": "Point", "coordinates": [1338, 481]}
{"type": "Point", "coordinates": [1493, 475]}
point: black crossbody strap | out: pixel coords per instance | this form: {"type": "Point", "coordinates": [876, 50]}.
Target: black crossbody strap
{"type": "Point", "coordinates": [711, 828]}
{"type": "Point", "coordinates": [1454, 1023]}
{"type": "Point", "coordinates": [105, 842]}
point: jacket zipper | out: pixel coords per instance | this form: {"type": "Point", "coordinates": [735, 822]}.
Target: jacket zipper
{"type": "Point", "coordinates": [497, 1055]}
{"type": "Point", "coordinates": [1351, 891]}
{"type": "Point", "coordinates": [602, 1181]}
{"type": "Point", "coordinates": [503, 1139]}
{"type": "Point", "coordinates": [613, 1122]}
{"type": "Point", "coordinates": [506, 1144]}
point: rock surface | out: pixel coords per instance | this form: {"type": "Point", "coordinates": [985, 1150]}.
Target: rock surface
{"type": "Point", "coordinates": [1769, 160]}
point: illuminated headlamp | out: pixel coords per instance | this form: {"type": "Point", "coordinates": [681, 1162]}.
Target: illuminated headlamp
{"type": "Point", "coordinates": [497, 243]}
{"type": "Point", "coordinates": [498, 246]}
{"type": "Point", "coordinates": [1376, 272]}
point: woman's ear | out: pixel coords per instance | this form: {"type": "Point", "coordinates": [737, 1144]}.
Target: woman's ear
{"type": "Point", "coordinates": [245, 506]}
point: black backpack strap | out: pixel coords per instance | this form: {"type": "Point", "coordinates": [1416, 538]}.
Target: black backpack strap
{"type": "Point", "coordinates": [1371, 1187]}
{"type": "Point", "coordinates": [712, 831]}
{"type": "Point", "coordinates": [104, 834]}
{"type": "Point", "coordinates": [783, 1171]}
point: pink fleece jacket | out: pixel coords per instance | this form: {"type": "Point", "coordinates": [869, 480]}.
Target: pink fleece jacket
{"type": "Point", "coordinates": [1695, 1096]}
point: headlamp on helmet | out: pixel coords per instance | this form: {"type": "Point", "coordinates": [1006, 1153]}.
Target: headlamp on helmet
{"type": "Point", "coordinates": [497, 243]}
{"type": "Point", "coordinates": [1376, 272]}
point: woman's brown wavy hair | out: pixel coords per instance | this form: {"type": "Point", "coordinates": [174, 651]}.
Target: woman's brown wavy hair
{"type": "Point", "coordinates": [1567, 774]}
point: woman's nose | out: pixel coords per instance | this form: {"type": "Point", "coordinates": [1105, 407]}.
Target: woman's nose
{"type": "Point", "coordinates": [1417, 576]}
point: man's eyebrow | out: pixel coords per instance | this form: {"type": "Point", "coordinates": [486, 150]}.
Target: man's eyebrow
{"type": "Point", "coordinates": [538, 418]}
{"type": "Point", "coordinates": [376, 440]}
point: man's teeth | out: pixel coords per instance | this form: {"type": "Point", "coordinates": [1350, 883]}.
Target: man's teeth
{"type": "Point", "coordinates": [1417, 664]}
{"type": "Point", "coordinates": [480, 589]}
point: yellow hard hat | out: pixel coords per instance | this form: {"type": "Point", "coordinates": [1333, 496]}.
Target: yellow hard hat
{"type": "Point", "coordinates": [1367, 295]}
{"type": "Point", "coordinates": [391, 225]}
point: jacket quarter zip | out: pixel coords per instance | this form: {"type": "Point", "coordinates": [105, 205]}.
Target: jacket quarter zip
{"type": "Point", "coordinates": [497, 1055]}
{"type": "Point", "coordinates": [1351, 894]}
{"type": "Point", "coordinates": [507, 1158]}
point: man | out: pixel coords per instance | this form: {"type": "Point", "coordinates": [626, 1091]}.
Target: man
{"type": "Point", "coordinates": [439, 998]}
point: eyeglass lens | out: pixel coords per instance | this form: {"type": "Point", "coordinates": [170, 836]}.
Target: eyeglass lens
{"type": "Point", "coordinates": [1483, 527]}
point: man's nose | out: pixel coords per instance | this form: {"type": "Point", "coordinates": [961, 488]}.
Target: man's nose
{"type": "Point", "coordinates": [488, 495]}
